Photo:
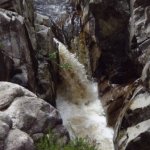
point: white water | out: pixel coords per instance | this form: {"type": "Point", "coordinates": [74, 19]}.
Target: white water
{"type": "Point", "coordinates": [79, 105]}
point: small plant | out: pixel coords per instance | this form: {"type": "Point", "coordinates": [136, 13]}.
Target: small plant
{"type": "Point", "coordinates": [65, 66]}
{"type": "Point", "coordinates": [52, 56]}
{"type": "Point", "coordinates": [49, 142]}
{"type": "Point", "coordinates": [80, 144]}
{"type": "Point", "coordinates": [1, 46]}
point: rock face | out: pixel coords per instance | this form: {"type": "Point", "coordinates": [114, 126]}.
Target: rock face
{"type": "Point", "coordinates": [140, 32]}
{"type": "Point", "coordinates": [22, 61]}
{"type": "Point", "coordinates": [132, 130]}
{"type": "Point", "coordinates": [24, 118]}
{"type": "Point", "coordinates": [11, 25]}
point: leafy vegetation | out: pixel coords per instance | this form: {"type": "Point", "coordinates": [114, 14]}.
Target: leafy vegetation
{"type": "Point", "coordinates": [49, 142]}
{"type": "Point", "coordinates": [1, 46]}
{"type": "Point", "coordinates": [65, 66]}
{"type": "Point", "coordinates": [52, 56]}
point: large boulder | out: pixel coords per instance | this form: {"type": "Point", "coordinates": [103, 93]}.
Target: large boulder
{"type": "Point", "coordinates": [26, 117]}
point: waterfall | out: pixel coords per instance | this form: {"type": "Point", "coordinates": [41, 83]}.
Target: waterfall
{"type": "Point", "coordinates": [79, 105]}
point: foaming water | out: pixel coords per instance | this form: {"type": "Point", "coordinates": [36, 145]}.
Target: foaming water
{"type": "Point", "coordinates": [79, 105]}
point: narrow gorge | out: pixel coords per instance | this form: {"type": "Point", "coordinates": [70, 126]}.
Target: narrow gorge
{"type": "Point", "coordinates": [79, 105]}
{"type": "Point", "coordinates": [77, 68]}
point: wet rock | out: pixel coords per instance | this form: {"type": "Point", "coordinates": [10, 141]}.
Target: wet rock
{"type": "Point", "coordinates": [141, 19]}
{"type": "Point", "coordinates": [118, 78]}
{"type": "Point", "coordinates": [102, 45]}
{"type": "Point", "coordinates": [134, 122]}
{"type": "Point", "coordinates": [105, 25]}
{"type": "Point", "coordinates": [111, 23]}
{"type": "Point", "coordinates": [69, 23]}
{"type": "Point", "coordinates": [114, 98]}
{"type": "Point", "coordinates": [139, 32]}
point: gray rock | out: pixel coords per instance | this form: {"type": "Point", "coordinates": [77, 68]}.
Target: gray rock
{"type": "Point", "coordinates": [140, 32]}
{"type": "Point", "coordinates": [133, 125]}
{"type": "Point", "coordinates": [47, 87]}
{"type": "Point", "coordinates": [55, 9]}
{"type": "Point", "coordinates": [6, 119]}
{"type": "Point", "coordinates": [145, 76]}
{"type": "Point", "coordinates": [8, 96]}
{"type": "Point", "coordinates": [141, 20]}
{"type": "Point", "coordinates": [21, 44]}
{"type": "Point", "coordinates": [16, 47]}
{"type": "Point", "coordinates": [25, 116]}
{"type": "Point", "coordinates": [41, 19]}
{"type": "Point", "coordinates": [45, 41]}
{"type": "Point", "coordinates": [4, 130]}
{"type": "Point", "coordinates": [5, 127]}
{"type": "Point", "coordinates": [18, 140]}
{"type": "Point", "coordinates": [6, 4]}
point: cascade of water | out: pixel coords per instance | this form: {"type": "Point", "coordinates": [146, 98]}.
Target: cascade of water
{"type": "Point", "coordinates": [79, 105]}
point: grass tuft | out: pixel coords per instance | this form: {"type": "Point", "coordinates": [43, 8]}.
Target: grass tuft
{"type": "Point", "coordinates": [49, 142]}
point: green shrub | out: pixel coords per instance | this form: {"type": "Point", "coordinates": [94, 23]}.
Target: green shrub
{"type": "Point", "coordinates": [80, 144]}
{"type": "Point", "coordinates": [52, 56]}
{"type": "Point", "coordinates": [49, 142]}
{"type": "Point", "coordinates": [65, 66]}
{"type": "Point", "coordinates": [1, 46]}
